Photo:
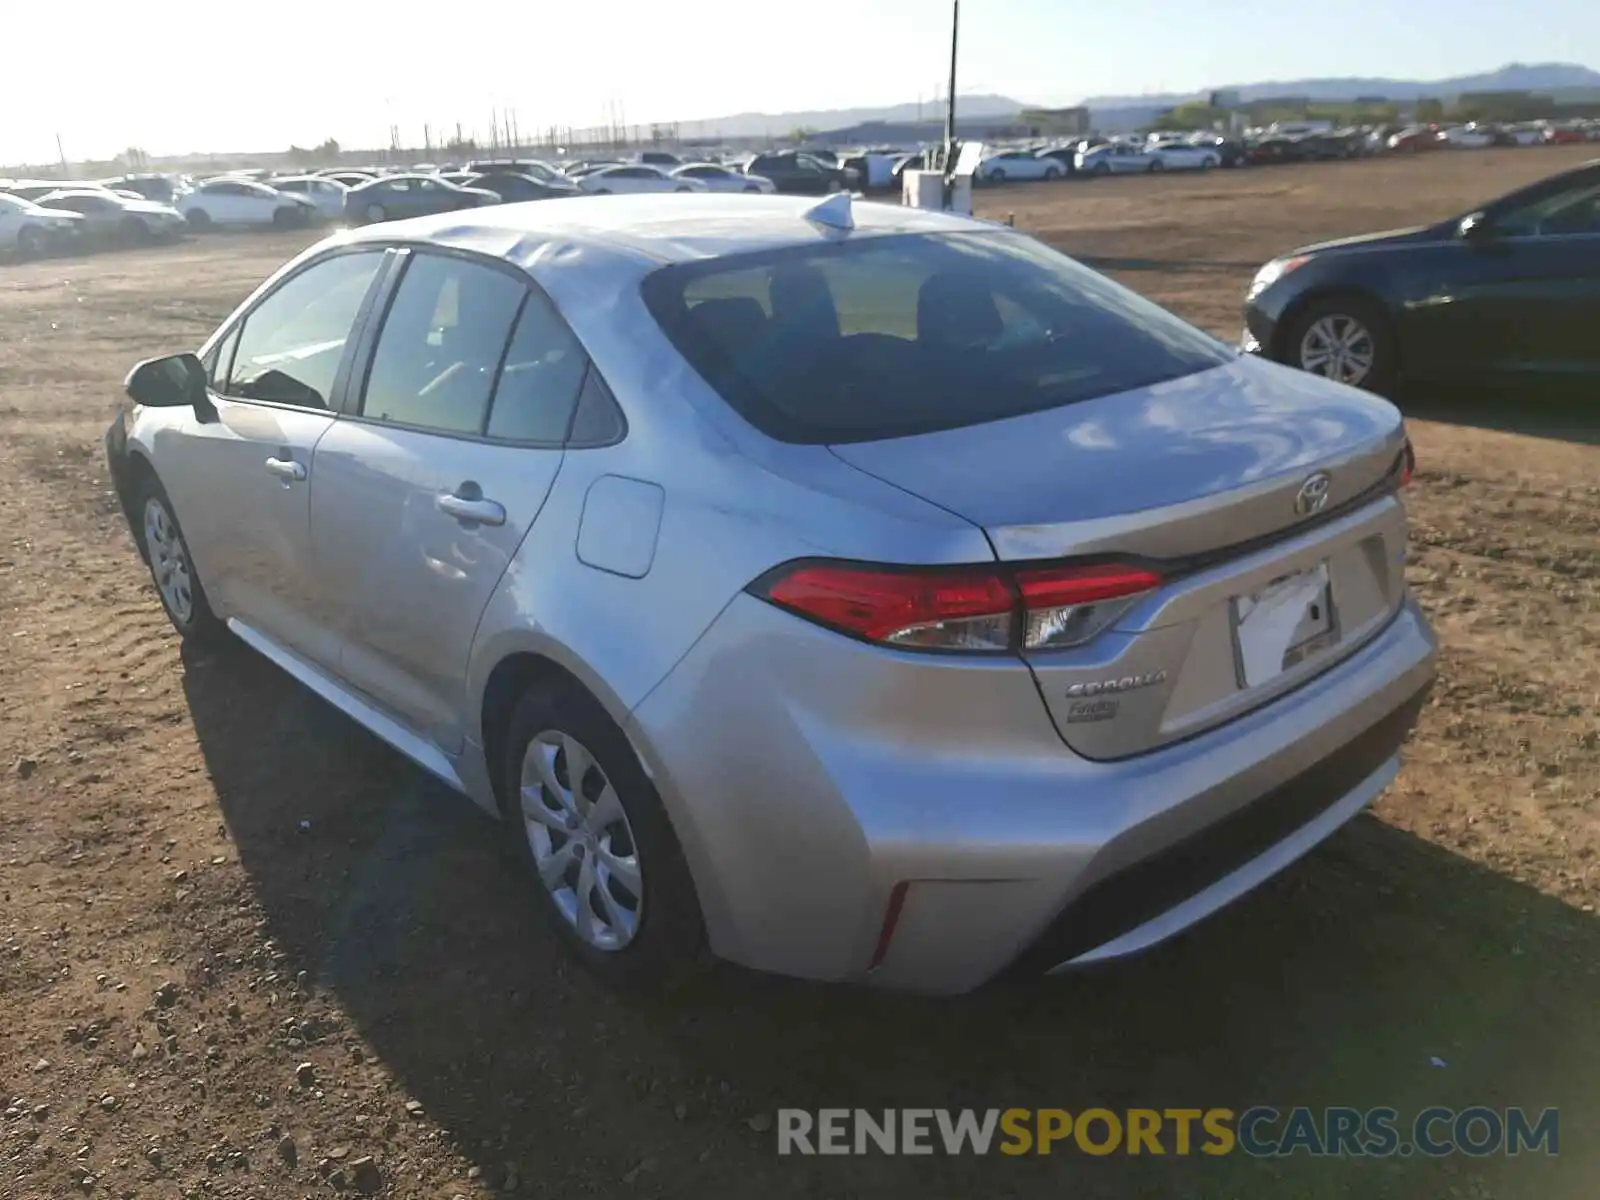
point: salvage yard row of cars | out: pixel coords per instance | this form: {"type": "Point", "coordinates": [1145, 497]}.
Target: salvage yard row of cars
{"type": "Point", "coordinates": [1168, 151]}
{"type": "Point", "coordinates": [38, 216]}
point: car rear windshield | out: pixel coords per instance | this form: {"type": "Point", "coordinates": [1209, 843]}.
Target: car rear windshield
{"type": "Point", "coordinates": [890, 335]}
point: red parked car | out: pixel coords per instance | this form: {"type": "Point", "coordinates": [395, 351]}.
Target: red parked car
{"type": "Point", "coordinates": [1558, 136]}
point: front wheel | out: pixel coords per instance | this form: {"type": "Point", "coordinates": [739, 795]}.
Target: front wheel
{"type": "Point", "coordinates": [602, 860]}
{"type": "Point", "coordinates": [1101, 169]}
{"type": "Point", "coordinates": [1157, 165]}
{"type": "Point", "coordinates": [997, 176]}
{"type": "Point", "coordinates": [171, 568]}
{"type": "Point", "coordinates": [198, 218]}
{"type": "Point", "coordinates": [1345, 339]}
{"type": "Point", "coordinates": [376, 214]}
{"type": "Point", "coordinates": [1052, 173]}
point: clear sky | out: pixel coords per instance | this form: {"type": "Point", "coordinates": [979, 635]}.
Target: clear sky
{"type": "Point", "coordinates": [182, 75]}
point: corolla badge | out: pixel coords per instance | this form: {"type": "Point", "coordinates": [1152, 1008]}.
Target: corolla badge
{"type": "Point", "coordinates": [1313, 495]}
{"type": "Point", "coordinates": [1128, 683]}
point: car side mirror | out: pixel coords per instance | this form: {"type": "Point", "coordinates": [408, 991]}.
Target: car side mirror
{"type": "Point", "coordinates": [1476, 229]}
{"type": "Point", "coordinates": [176, 381]}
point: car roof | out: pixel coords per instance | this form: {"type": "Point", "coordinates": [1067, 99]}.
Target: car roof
{"type": "Point", "coordinates": [653, 230]}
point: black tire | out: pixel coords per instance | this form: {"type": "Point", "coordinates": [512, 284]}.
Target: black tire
{"type": "Point", "coordinates": [199, 218]}
{"type": "Point", "coordinates": [134, 232]}
{"type": "Point", "coordinates": [31, 241]}
{"type": "Point", "coordinates": [684, 189]}
{"type": "Point", "coordinates": [1386, 347]}
{"type": "Point", "coordinates": [1050, 173]}
{"type": "Point", "coordinates": [601, 192]}
{"type": "Point", "coordinates": [200, 626]}
{"type": "Point", "coordinates": [288, 218]}
{"type": "Point", "coordinates": [750, 187]}
{"type": "Point", "coordinates": [668, 944]}
{"type": "Point", "coordinates": [1101, 168]}
{"type": "Point", "coordinates": [1157, 165]}
{"type": "Point", "coordinates": [997, 175]}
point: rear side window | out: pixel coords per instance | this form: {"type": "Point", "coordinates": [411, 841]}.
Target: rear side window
{"type": "Point", "coordinates": [540, 381]}
{"type": "Point", "coordinates": [442, 344]}
{"type": "Point", "coordinates": [883, 337]}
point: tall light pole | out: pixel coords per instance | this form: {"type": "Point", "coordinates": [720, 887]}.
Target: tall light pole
{"type": "Point", "coordinates": [950, 110]}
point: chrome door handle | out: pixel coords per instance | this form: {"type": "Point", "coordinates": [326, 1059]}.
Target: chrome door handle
{"type": "Point", "coordinates": [287, 469]}
{"type": "Point", "coordinates": [471, 508]}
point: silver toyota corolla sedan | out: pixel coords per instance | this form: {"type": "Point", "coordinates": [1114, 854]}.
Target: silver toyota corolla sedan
{"type": "Point", "coordinates": [855, 592]}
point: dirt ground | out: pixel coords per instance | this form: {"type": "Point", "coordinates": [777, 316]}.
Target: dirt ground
{"type": "Point", "coordinates": [248, 951]}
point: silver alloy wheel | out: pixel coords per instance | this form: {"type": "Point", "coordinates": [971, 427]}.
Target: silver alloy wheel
{"type": "Point", "coordinates": [169, 560]}
{"type": "Point", "coordinates": [1338, 347]}
{"type": "Point", "coordinates": [583, 846]}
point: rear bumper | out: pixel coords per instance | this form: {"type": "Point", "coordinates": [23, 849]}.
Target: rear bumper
{"type": "Point", "coordinates": [808, 776]}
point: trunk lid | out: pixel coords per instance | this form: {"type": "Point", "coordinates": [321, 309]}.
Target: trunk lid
{"type": "Point", "coordinates": [1176, 470]}
{"type": "Point", "coordinates": [1204, 478]}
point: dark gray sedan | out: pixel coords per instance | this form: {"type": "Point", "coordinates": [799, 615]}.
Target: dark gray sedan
{"type": "Point", "coordinates": [392, 197]}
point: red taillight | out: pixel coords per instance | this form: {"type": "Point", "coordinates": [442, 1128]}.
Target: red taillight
{"type": "Point", "coordinates": [973, 609]}
{"type": "Point", "coordinates": [1408, 463]}
{"type": "Point", "coordinates": [952, 609]}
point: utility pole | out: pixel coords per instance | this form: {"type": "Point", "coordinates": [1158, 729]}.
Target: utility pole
{"type": "Point", "coordinates": [950, 110]}
{"type": "Point", "coordinates": [61, 153]}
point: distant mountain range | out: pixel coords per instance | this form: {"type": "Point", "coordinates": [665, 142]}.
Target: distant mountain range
{"type": "Point", "coordinates": [1514, 77]}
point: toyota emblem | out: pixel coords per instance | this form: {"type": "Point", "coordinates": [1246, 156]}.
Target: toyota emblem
{"type": "Point", "coordinates": [1313, 495]}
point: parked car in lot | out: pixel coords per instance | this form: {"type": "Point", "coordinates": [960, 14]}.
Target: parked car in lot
{"type": "Point", "coordinates": [1467, 137]}
{"type": "Point", "coordinates": [350, 179]}
{"type": "Point", "coordinates": [865, 593]}
{"type": "Point", "coordinates": [1116, 158]}
{"type": "Point", "coordinates": [515, 188]}
{"type": "Point", "coordinates": [633, 178]}
{"type": "Point", "coordinates": [1565, 135]}
{"type": "Point", "coordinates": [108, 217]}
{"type": "Point", "coordinates": [393, 197]}
{"type": "Point", "coordinates": [1414, 138]}
{"type": "Point", "coordinates": [1018, 165]}
{"type": "Point", "coordinates": [325, 193]}
{"type": "Point", "coordinates": [533, 168]}
{"type": "Point", "coordinates": [1508, 292]}
{"type": "Point", "coordinates": [163, 189]}
{"type": "Point", "coordinates": [798, 173]}
{"type": "Point", "coordinates": [28, 229]}
{"type": "Point", "coordinates": [1183, 156]}
{"type": "Point", "coordinates": [718, 178]}
{"type": "Point", "coordinates": [234, 201]}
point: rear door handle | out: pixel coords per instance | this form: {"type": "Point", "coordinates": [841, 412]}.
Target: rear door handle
{"type": "Point", "coordinates": [471, 507]}
{"type": "Point", "coordinates": [287, 469]}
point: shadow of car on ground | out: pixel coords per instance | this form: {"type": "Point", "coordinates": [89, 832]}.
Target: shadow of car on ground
{"type": "Point", "coordinates": [1338, 983]}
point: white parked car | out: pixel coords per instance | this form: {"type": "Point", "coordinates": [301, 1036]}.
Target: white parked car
{"type": "Point", "coordinates": [30, 229]}
{"type": "Point", "coordinates": [234, 201]}
{"type": "Point", "coordinates": [111, 217]}
{"type": "Point", "coordinates": [1467, 137]}
{"type": "Point", "coordinates": [1018, 164]}
{"type": "Point", "coordinates": [1182, 156]}
{"type": "Point", "coordinates": [718, 178]}
{"type": "Point", "coordinates": [326, 194]}
{"type": "Point", "coordinates": [631, 178]}
{"type": "Point", "coordinates": [1116, 158]}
